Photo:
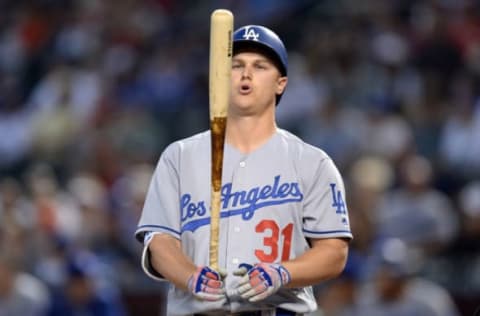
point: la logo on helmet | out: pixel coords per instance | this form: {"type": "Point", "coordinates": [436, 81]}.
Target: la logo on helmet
{"type": "Point", "coordinates": [250, 34]}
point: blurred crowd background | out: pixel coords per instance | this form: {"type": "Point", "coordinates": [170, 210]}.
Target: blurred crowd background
{"type": "Point", "coordinates": [91, 91]}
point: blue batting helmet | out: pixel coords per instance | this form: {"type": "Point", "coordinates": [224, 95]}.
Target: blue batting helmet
{"type": "Point", "coordinates": [264, 38]}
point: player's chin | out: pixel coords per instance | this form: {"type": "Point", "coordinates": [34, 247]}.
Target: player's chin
{"type": "Point", "coordinates": [240, 102]}
{"type": "Point", "coordinates": [242, 109]}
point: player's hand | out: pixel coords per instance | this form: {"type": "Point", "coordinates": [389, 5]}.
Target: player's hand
{"type": "Point", "coordinates": [207, 284]}
{"type": "Point", "coordinates": [261, 280]}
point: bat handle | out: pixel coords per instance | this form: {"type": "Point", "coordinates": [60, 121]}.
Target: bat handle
{"type": "Point", "coordinates": [215, 227]}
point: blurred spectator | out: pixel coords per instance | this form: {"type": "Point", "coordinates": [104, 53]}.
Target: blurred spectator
{"type": "Point", "coordinates": [399, 291]}
{"type": "Point", "coordinates": [56, 211]}
{"type": "Point", "coordinates": [17, 222]}
{"type": "Point", "coordinates": [16, 122]}
{"type": "Point", "coordinates": [303, 96]}
{"type": "Point", "coordinates": [340, 297]}
{"type": "Point", "coordinates": [415, 211]}
{"type": "Point", "coordinates": [369, 179]}
{"type": "Point", "coordinates": [16, 210]}
{"type": "Point", "coordinates": [82, 295]}
{"type": "Point", "coordinates": [434, 295]}
{"type": "Point", "coordinates": [128, 194]}
{"type": "Point", "coordinates": [20, 293]}
{"type": "Point", "coordinates": [91, 197]}
{"type": "Point", "coordinates": [465, 32]}
{"type": "Point", "coordinates": [436, 54]}
{"type": "Point", "coordinates": [340, 131]}
{"type": "Point", "coordinates": [469, 200]}
{"type": "Point", "coordinates": [76, 90]}
{"type": "Point", "coordinates": [388, 135]}
{"type": "Point", "coordinates": [49, 266]}
{"type": "Point", "coordinates": [459, 146]}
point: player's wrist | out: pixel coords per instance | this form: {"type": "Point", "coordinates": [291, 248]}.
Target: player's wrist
{"type": "Point", "coordinates": [189, 283]}
{"type": "Point", "coordinates": [285, 275]}
{"type": "Point", "coordinates": [192, 277]}
{"type": "Point", "coordinates": [283, 272]}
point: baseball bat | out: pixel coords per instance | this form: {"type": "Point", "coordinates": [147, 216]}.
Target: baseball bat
{"type": "Point", "coordinates": [221, 30]}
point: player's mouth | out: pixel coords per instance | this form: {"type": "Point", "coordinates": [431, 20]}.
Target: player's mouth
{"type": "Point", "coordinates": [245, 88]}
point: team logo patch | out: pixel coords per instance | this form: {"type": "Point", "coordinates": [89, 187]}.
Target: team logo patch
{"type": "Point", "coordinates": [250, 34]}
{"type": "Point", "coordinates": [338, 203]}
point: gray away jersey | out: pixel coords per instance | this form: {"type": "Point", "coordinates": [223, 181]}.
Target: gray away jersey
{"type": "Point", "coordinates": [273, 199]}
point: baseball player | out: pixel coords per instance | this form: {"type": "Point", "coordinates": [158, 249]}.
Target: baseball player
{"type": "Point", "coordinates": [284, 223]}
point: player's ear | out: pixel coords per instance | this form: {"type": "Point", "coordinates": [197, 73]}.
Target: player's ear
{"type": "Point", "coordinates": [281, 84]}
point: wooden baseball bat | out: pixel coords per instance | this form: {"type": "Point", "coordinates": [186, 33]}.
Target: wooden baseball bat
{"type": "Point", "coordinates": [221, 31]}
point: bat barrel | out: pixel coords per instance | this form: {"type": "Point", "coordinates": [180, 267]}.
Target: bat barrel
{"type": "Point", "coordinates": [221, 41]}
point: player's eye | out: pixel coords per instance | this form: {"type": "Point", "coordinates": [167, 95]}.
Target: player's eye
{"type": "Point", "coordinates": [260, 66]}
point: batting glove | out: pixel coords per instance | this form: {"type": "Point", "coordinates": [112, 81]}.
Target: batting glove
{"type": "Point", "coordinates": [261, 280]}
{"type": "Point", "coordinates": [206, 284]}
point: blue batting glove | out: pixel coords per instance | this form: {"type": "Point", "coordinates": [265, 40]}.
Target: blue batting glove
{"type": "Point", "coordinates": [207, 284]}
{"type": "Point", "coordinates": [261, 280]}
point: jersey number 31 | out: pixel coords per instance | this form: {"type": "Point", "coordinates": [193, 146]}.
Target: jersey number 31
{"type": "Point", "coordinates": [271, 241]}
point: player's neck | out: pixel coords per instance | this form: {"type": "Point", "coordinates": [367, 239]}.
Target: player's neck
{"type": "Point", "coordinates": [247, 134]}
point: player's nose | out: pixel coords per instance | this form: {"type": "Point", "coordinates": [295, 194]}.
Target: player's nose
{"type": "Point", "coordinates": [247, 72]}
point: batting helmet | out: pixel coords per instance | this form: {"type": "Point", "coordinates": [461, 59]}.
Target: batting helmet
{"type": "Point", "coordinates": [264, 38]}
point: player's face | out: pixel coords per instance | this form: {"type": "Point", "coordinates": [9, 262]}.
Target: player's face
{"type": "Point", "coordinates": [255, 82]}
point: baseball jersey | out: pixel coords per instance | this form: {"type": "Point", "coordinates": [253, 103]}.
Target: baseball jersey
{"type": "Point", "coordinates": [273, 200]}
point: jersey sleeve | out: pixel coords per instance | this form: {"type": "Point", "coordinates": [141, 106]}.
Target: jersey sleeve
{"type": "Point", "coordinates": [160, 210]}
{"type": "Point", "coordinates": [325, 209]}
